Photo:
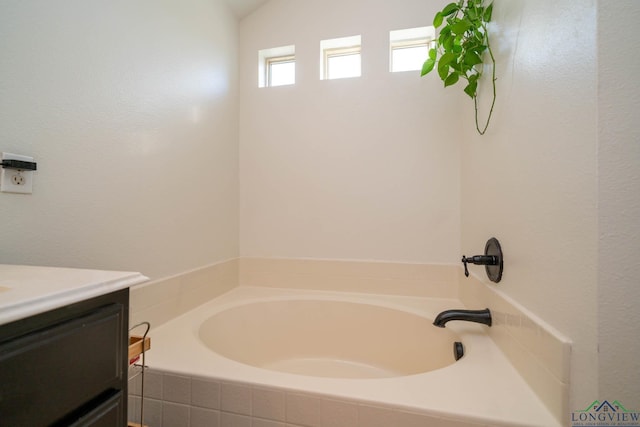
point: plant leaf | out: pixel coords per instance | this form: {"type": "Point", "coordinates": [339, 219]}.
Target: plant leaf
{"type": "Point", "coordinates": [445, 32]}
{"type": "Point", "coordinates": [472, 58]}
{"type": "Point", "coordinates": [446, 58]}
{"type": "Point", "coordinates": [471, 89]}
{"type": "Point", "coordinates": [461, 68]}
{"type": "Point", "coordinates": [443, 71]}
{"type": "Point", "coordinates": [461, 26]}
{"type": "Point", "coordinates": [488, 12]}
{"type": "Point", "coordinates": [461, 48]}
{"type": "Point", "coordinates": [452, 79]}
{"type": "Point", "coordinates": [427, 66]}
{"type": "Point", "coordinates": [448, 43]}
{"type": "Point", "coordinates": [472, 14]}
{"type": "Point", "coordinates": [449, 9]}
{"type": "Point", "coordinates": [437, 20]}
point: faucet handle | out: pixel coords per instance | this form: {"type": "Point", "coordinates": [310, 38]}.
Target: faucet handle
{"type": "Point", "coordinates": [478, 260]}
{"type": "Point", "coordinates": [492, 260]}
{"type": "Point", "coordinates": [464, 261]}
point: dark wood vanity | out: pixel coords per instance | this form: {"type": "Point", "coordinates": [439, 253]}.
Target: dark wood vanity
{"type": "Point", "coordinates": [67, 366]}
{"type": "Point", "coordinates": [64, 346]}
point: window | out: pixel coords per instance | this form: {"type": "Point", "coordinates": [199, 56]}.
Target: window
{"type": "Point", "coordinates": [276, 66]}
{"type": "Point", "coordinates": [409, 48]}
{"type": "Point", "coordinates": [340, 58]}
{"type": "Point", "coordinates": [281, 71]}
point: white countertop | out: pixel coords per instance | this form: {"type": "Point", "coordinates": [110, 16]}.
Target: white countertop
{"type": "Point", "coordinates": [28, 290]}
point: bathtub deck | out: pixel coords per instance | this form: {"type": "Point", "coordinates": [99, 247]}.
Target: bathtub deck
{"type": "Point", "coordinates": [481, 389]}
{"type": "Point", "coordinates": [328, 368]}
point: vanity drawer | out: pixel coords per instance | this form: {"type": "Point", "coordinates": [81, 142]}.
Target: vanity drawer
{"type": "Point", "coordinates": [107, 414]}
{"type": "Point", "coordinates": [57, 373]}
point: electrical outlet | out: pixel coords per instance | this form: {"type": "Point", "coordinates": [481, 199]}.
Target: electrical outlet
{"type": "Point", "coordinates": [15, 180]}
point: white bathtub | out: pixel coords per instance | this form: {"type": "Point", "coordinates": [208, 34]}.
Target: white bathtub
{"type": "Point", "coordinates": [357, 348]}
{"type": "Point", "coordinates": [328, 338]}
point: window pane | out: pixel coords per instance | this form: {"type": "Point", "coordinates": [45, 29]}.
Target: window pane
{"type": "Point", "coordinates": [274, 55]}
{"type": "Point", "coordinates": [282, 73]}
{"type": "Point", "coordinates": [409, 58]}
{"type": "Point", "coordinates": [342, 66]}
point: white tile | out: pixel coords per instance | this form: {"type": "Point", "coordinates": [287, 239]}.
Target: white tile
{"type": "Point", "coordinates": [133, 408]}
{"type": "Point", "coordinates": [202, 417]}
{"type": "Point", "coordinates": [352, 276]}
{"type": "Point", "coordinates": [205, 393]}
{"type": "Point", "coordinates": [387, 417]}
{"type": "Point", "coordinates": [175, 414]}
{"type": "Point", "coordinates": [440, 422]}
{"type": "Point", "coordinates": [176, 389]}
{"type": "Point", "coordinates": [154, 293]}
{"type": "Point", "coordinates": [157, 315]}
{"type": "Point", "coordinates": [410, 419]}
{"type": "Point", "coordinates": [529, 335]}
{"type": "Point", "coordinates": [553, 393]}
{"type": "Point", "coordinates": [372, 416]}
{"type": "Point", "coordinates": [303, 410]}
{"type": "Point", "coordinates": [195, 279]}
{"type": "Point", "coordinates": [338, 414]}
{"type": "Point", "coordinates": [554, 355]}
{"type": "Point", "coordinates": [153, 412]}
{"type": "Point", "coordinates": [256, 422]}
{"type": "Point", "coordinates": [134, 382]}
{"type": "Point", "coordinates": [153, 384]}
{"type": "Point", "coordinates": [269, 404]}
{"type": "Point", "coordinates": [235, 398]}
{"type": "Point", "coordinates": [228, 419]}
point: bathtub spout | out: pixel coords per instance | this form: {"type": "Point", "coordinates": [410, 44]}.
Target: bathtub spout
{"type": "Point", "coordinates": [478, 316]}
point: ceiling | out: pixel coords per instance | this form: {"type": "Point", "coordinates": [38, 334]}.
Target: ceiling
{"type": "Point", "coordinates": [244, 7]}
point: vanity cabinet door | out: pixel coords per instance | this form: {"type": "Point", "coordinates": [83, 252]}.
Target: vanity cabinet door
{"type": "Point", "coordinates": [108, 414]}
{"type": "Point", "coordinates": [58, 374]}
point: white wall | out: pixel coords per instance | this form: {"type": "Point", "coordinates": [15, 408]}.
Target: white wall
{"type": "Point", "coordinates": [363, 168]}
{"type": "Point", "coordinates": [130, 109]}
{"type": "Point", "coordinates": [323, 177]}
{"type": "Point", "coordinates": [618, 201]}
{"type": "Point", "coordinates": [531, 181]}
{"type": "Point", "coordinates": [114, 98]}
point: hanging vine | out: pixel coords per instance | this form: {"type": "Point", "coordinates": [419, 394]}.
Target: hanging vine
{"type": "Point", "coordinates": [460, 47]}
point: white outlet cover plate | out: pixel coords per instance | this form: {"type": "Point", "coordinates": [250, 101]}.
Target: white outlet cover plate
{"type": "Point", "coordinates": [7, 176]}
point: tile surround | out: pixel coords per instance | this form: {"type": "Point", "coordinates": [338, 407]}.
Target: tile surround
{"type": "Point", "coordinates": [539, 353]}
{"type": "Point", "coordinates": [162, 300]}
{"type": "Point", "coordinates": [428, 280]}
{"type": "Point", "coordinates": [268, 404]}
{"type": "Point", "coordinates": [235, 398]}
{"type": "Point", "coordinates": [246, 405]}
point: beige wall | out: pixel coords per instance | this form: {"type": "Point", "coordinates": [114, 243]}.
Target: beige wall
{"type": "Point", "coordinates": [619, 201]}
{"type": "Point", "coordinates": [364, 168]}
{"type": "Point", "coordinates": [130, 110]}
{"type": "Point", "coordinates": [114, 98]}
{"type": "Point", "coordinates": [308, 190]}
{"type": "Point", "coordinates": [531, 181]}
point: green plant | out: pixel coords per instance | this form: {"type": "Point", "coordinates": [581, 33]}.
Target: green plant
{"type": "Point", "coordinates": [460, 47]}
